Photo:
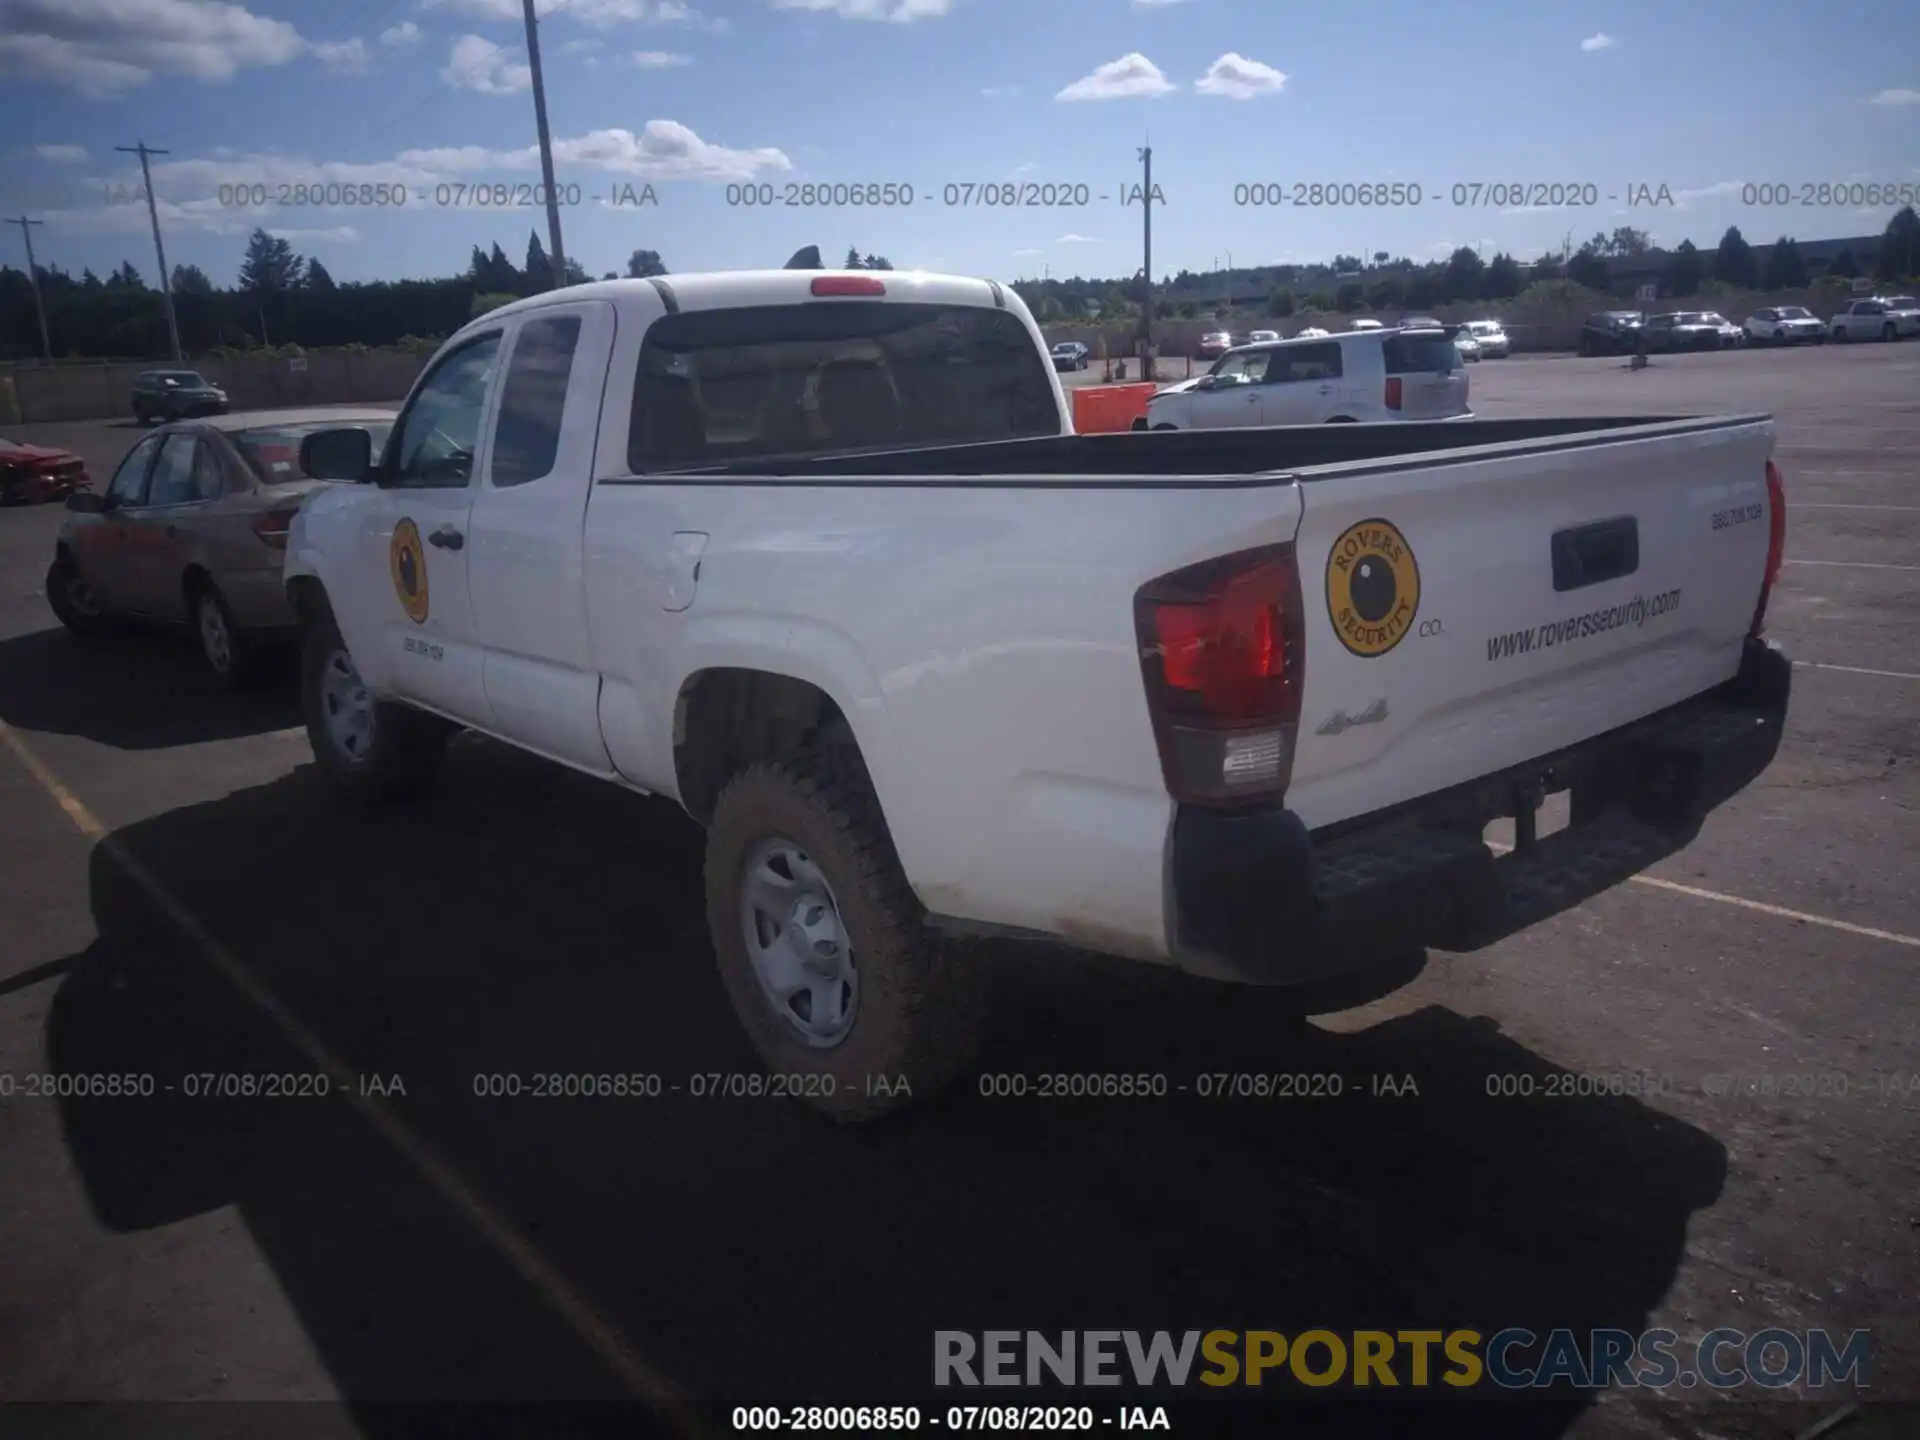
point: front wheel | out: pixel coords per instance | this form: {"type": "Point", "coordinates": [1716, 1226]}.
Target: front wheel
{"type": "Point", "coordinates": [850, 999]}
{"type": "Point", "coordinates": [369, 751]}
{"type": "Point", "coordinates": [1889, 333]}
{"type": "Point", "coordinates": [75, 603]}
{"type": "Point", "coordinates": [226, 653]}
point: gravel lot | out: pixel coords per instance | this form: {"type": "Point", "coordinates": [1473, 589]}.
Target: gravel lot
{"type": "Point", "coordinates": [531, 921]}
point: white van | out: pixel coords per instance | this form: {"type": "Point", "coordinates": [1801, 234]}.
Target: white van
{"type": "Point", "coordinates": [1368, 375]}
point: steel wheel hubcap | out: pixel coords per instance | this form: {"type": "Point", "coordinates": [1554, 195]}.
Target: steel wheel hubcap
{"type": "Point", "coordinates": [347, 708]}
{"type": "Point", "coordinates": [214, 638]}
{"type": "Point", "coordinates": [798, 943]}
{"type": "Point", "coordinates": [80, 596]}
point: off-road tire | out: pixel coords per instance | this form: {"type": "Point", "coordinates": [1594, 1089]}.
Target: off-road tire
{"type": "Point", "coordinates": [402, 761]}
{"type": "Point", "coordinates": [921, 1005]}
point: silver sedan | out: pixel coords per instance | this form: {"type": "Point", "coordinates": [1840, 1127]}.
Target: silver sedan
{"type": "Point", "coordinates": [191, 532]}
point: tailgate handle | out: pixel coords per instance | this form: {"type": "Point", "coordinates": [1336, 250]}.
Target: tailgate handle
{"type": "Point", "coordinates": [1589, 554]}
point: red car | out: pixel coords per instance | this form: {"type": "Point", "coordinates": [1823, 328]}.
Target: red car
{"type": "Point", "coordinates": [30, 473]}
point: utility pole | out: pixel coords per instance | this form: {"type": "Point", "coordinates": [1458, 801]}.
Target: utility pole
{"type": "Point", "coordinates": [33, 274]}
{"type": "Point", "coordinates": [159, 250]}
{"type": "Point", "coordinates": [554, 254]}
{"type": "Point", "coordinates": [1146, 271]}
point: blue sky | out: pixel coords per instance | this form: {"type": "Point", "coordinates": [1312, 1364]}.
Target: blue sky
{"type": "Point", "coordinates": [691, 96]}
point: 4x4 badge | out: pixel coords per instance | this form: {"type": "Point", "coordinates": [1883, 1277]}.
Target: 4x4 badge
{"type": "Point", "coordinates": [1339, 720]}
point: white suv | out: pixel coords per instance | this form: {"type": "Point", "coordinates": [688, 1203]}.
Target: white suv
{"type": "Point", "coordinates": [1881, 318]}
{"type": "Point", "coordinates": [1360, 376]}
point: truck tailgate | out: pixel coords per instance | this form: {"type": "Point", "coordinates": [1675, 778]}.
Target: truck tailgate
{"type": "Point", "coordinates": [1476, 610]}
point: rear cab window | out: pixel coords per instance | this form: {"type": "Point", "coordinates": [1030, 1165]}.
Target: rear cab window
{"type": "Point", "coordinates": [1419, 352]}
{"type": "Point", "coordinates": [272, 452]}
{"type": "Point", "coordinates": [533, 400]}
{"type": "Point", "coordinates": [758, 382]}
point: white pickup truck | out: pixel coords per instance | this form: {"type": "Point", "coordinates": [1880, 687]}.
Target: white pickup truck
{"type": "Point", "coordinates": [815, 554]}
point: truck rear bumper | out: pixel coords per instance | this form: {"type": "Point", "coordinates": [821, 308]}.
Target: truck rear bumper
{"type": "Point", "coordinates": [1257, 897]}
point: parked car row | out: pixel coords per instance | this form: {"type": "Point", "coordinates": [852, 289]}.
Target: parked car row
{"type": "Point", "coordinates": [191, 532]}
{"type": "Point", "coordinates": [1621, 332]}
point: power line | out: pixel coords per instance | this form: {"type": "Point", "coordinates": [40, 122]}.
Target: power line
{"type": "Point", "coordinates": [33, 274]}
{"type": "Point", "coordinates": [166, 281]}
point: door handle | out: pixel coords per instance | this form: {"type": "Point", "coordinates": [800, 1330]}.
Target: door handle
{"type": "Point", "coordinates": [447, 538]}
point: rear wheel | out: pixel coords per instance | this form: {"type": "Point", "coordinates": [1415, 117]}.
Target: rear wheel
{"type": "Point", "coordinates": [1889, 333]}
{"type": "Point", "coordinates": [225, 651]}
{"type": "Point", "coordinates": [75, 603]}
{"type": "Point", "coordinates": [369, 751]}
{"type": "Point", "coordinates": [823, 949]}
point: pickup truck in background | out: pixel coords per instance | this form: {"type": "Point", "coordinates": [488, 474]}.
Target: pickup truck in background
{"type": "Point", "coordinates": [814, 554]}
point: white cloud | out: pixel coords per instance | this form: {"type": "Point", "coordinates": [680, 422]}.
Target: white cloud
{"type": "Point", "coordinates": [1072, 239]}
{"type": "Point", "coordinates": [345, 57]}
{"type": "Point", "coordinates": [1132, 76]}
{"type": "Point", "coordinates": [1238, 78]}
{"type": "Point", "coordinates": [103, 48]}
{"type": "Point", "coordinates": [1598, 41]}
{"type": "Point", "coordinates": [659, 59]}
{"type": "Point", "coordinates": [900, 12]}
{"type": "Point", "coordinates": [663, 150]}
{"type": "Point", "coordinates": [1895, 97]}
{"type": "Point", "coordinates": [338, 234]}
{"type": "Point", "coordinates": [478, 64]}
{"type": "Point", "coordinates": [1030, 251]}
{"type": "Point", "coordinates": [601, 14]}
{"type": "Point", "coordinates": [405, 33]}
{"type": "Point", "coordinates": [63, 154]}
{"type": "Point", "coordinates": [1000, 92]}
{"type": "Point", "coordinates": [1025, 167]}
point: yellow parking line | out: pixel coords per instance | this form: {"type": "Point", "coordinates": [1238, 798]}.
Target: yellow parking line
{"type": "Point", "coordinates": [1758, 906]}
{"type": "Point", "coordinates": [643, 1380]}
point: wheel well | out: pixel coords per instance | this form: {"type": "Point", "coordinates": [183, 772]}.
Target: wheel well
{"type": "Point", "coordinates": [190, 583]}
{"type": "Point", "coordinates": [1343, 420]}
{"type": "Point", "coordinates": [725, 719]}
{"type": "Point", "coordinates": [309, 599]}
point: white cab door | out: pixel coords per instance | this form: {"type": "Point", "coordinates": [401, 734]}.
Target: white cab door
{"type": "Point", "coordinates": [527, 536]}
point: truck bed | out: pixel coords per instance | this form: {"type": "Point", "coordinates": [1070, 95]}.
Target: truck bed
{"type": "Point", "coordinates": [1230, 457]}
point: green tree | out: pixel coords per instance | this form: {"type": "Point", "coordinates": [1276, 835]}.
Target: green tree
{"type": "Point", "coordinates": [1349, 297]}
{"type": "Point", "coordinates": [576, 273]}
{"type": "Point", "coordinates": [1422, 291]}
{"type": "Point", "coordinates": [1347, 264]}
{"type": "Point", "coordinates": [1461, 279]}
{"type": "Point", "coordinates": [539, 272]}
{"type": "Point", "coordinates": [483, 303]}
{"type": "Point", "coordinates": [88, 279]}
{"type": "Point", "coordinates": [1734, 263]}
{"type": "Point", "coordinates": [1844, 265]}
{"type": "Point", "coordinates": [191, 280]}
{"type": "Point", "coordinates": [270, 266]}
{"type": "Point", "coordinates": [1280, 304]}
{"type": "Point", "coordinates": [1387, 293]}
{"type": "Point", "coordinates": [1785, 270]}
{"type": "Point", "coordinates": [1684, 270]}
{"type": "Point", "coordinates": [126, 278]}
{"type": "Point", "coordinates": [1899, 254]}
{"type": "Point", "coordinates": [1380, 258]}
{"type": "Point", "coordinates": [318, 278]}
{"type": "Point", "coordinates": [1587, 267]}
{"type": "Point", "coordinates": [1503, 279]}
{"type": "Point", "coordinates": [644, 263]}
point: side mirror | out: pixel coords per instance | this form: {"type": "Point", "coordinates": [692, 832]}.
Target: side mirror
{"type": "Point", "coordinates": [344, 454]}
{"type": "Point", "coordinates": [85, 502]}
{"type": "Point", "coordinates": [1207, 382]}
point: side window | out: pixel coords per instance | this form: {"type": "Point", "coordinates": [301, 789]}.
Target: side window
{"type": "Point", "coordinates": [209, 474]}
{"type": "Point", "coordinates": [129, 484]}
{"type": "Point", "coordinates": [1309, 362]}
{"type": "Point", "coordinates": [173, 471]}
{"type": "Point", "coordinates": [532, 399]}
{"type": "Point", "coordinates": [433, 447]}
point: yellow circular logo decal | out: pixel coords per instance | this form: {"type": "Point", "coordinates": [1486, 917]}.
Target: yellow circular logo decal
{"type": "Point", "coordinates": [408, 561]}
{"type": "Point", "coordinates": [1373, 587]}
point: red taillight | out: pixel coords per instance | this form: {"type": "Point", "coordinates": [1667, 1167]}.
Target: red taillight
{"type": "Point", "coordinates": [272, 526]}
{"type": "Point", "coordinates": [848, 285]}
{"type": "Point", "coordinates": [1222, 647]}
{"type": "Point", "coordinates": [1393, 392]}
{"type": "Point", "coordinates": [1776, 544]}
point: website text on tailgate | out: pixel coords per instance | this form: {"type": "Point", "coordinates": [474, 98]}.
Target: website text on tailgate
{"type": "Point", "coordinates": [1636, 612]}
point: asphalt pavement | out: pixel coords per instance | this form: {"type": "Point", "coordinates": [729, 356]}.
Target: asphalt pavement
{"type": "Point", "coordinates": [180, 902]}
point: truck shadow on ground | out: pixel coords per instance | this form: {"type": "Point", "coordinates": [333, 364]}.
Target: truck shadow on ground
{"type": "Point", "coordinates": [146, 690]}
{"type": "Point", "coordinates": [529, 921]}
